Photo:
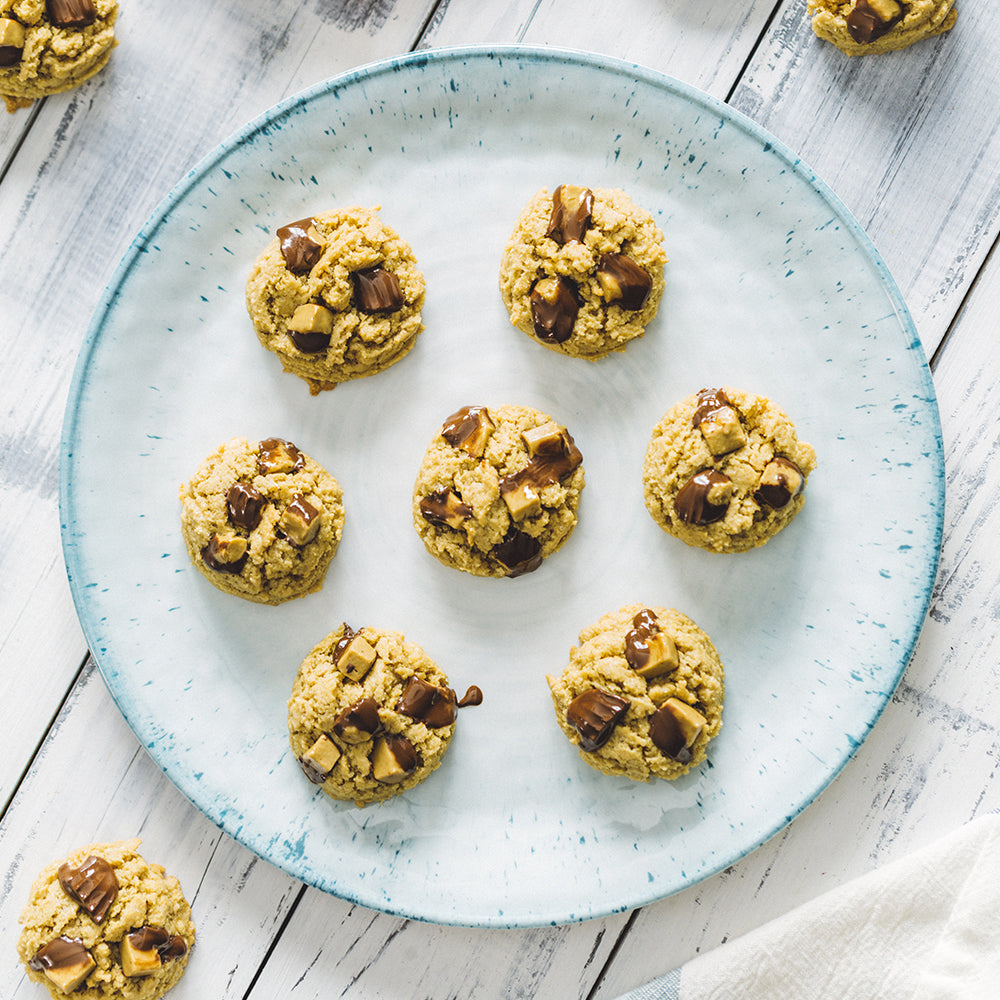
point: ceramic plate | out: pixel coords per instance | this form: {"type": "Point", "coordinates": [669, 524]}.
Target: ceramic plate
{"type": "Point", "coordinates": [771, 287]}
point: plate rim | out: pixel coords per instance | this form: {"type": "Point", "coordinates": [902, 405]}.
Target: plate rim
{"type": "Point", "coordinates": [483, 917]}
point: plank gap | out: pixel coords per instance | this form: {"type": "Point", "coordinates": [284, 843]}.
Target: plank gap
{"type": "Point", "coordinates": [613, 954]}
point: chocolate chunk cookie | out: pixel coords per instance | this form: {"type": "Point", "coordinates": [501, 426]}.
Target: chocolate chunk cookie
{"type": "Point", "coordinates": [336, 296]}
{"type": "Point", "coordinates": [105, 924]}
{"type": "Point", "coordinates": [864, 27]}
{"type": "Point", "coordinates": [47, 46]}
{"type": "Point", "coordinates": [262, 521]}
{"type": "Point", "coordinates": [582, 272]}
{"type": "Point", "coordinates": [642, 694]}
{"type": "Point", "coordinates": [498, 490]}
{"type": "Point", "coordinates": [371, 715]}
{"type": "Point", "coordinates": [725, 470]}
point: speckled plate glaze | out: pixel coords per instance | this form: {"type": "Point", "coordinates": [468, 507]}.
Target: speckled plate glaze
{"type": "Point", "coordinates": [771, 286]}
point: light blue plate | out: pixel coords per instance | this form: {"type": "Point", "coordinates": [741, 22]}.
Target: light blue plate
{"type": "Point", "coordinates": [771, 287]}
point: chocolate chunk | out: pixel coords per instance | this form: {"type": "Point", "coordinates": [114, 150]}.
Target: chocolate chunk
{"type": "Point", "coordinates": [518, 553]}
{"type": "Point", "coordinates": [65, 962]}
{"type": "Point", "coordinates": [245, 505]}
{"type": "Point", "coordinates": [469, 429]}
{"type": "Point", "coordinates": [674, 727]}
{"type": "Point", "coordinates": [719, 422]}
{"type": "Point", "coordinates": [594, 714]}
{"type": "Point", "coordinates": [319, 760]}
{"type": "Point", "coordinates": [699, 500]}
{"type": "Point", "coordinates": [225, 552]}
{"type": "Point", "coordinates": [393, 758]}
{"type": "Point", "coordinates": [474, 696]}
{"type": "Point", "coordinates": [445, 508]}
{"type": "Point", "coordinates": [359, 722]}
{"type": "Point", "coordinates": [11, 41]}
{"type": "Point", "coordinates": [93, 885]}
{"type": "Point", "coordinates": [276, 455]}
{"type": "Point", "coordinates": [300, 521]}
{"type": "Point", "coordinates": [571, 210]}
{"type": "Point", "coordinates": [377, 290]}
{"type": "Point", "coordinates": [649, 651]}
{"type": "Point", "coordinates": [427, 703]}
{"type": "Point", "coordinates": [555, 455]}
{"type": "Point", "coordinates": [298, 248]}
{"type": "Point", "coordinates": [868, 22]}
{"type": "Point", "coordinates": [554, 307]}
{"type": "Point", "coordinates": [71, 13]}
{"type": "Point", "coordinates": [144, 951]}
{"type": "Point", "coordinates": [310, 327]}
{"type": "Point", "coordinates": [780, 483]}
{"type": "Point", "coordinates": [623, 281]}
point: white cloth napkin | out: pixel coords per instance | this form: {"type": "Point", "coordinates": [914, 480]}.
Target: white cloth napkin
{"type": "Point", "coordinates": [925, 927]}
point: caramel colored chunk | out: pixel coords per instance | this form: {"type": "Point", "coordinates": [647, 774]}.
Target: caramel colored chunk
{"type": "Point", "coordinates": [144, 951]}
{"type": "Point", "coordinates": [320, 759]}
{"type": "Point", "coordinates": [310, 326]}
{"type": "Point", "coordinates": [226, 552]}
{"type": "Point", "coordinates": [377, 290]}
{"type": "Point", "coordinates": [446, 508]}
{"type": "Point", "coordinates": [393, 758]}
{"type": "Point", "coordinates": [469, 429]}
{"type": "Point", "coordinates": [93, 885]}
{"type": "Point", "coordinates": [623, 281]}
{"type": "Point", "coordinates": [674, 727]}
{"type": "Point", "coordinates": [719, 422]}
{"type": "Point", "coordinates": [11, 41]}
{"type": "Point", "coordinates": [545, 440]}
{"type": "Point", "coordinates": [780, 483]}
{"type": "Point", "coordinates": [594, 715]}
{"type": "Point", "coordinates": [649, 651]}
{"type": "Point", "coordinates": [300, 522]}
{"type": "Point", "coordinates": [571, 210]}
{"type": "Point", "coordinates": [276, 455]}
{"type": "Point", "coordinates": [555, 304]}
{"type": "Point", "coordinates": [65, 962]}
{"type": "Point", "coordinates": [521, 497]}
{"type": "Point", "coordinates": [298, 248]}
{"type": "Point", "coordinates": [356, 658]}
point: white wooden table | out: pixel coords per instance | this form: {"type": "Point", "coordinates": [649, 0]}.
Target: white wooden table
{"type": "Point", "coordinates": [910, 142]}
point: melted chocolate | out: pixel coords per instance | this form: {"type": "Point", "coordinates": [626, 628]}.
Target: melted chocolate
{"type": "Point", "coordinates": [93, 885]}
{"type": "Point", "coordinates": [518, 553]}
{"type": "Point", "coordinates": [571, 211]}
{"type": "Point", "coordinates": [555, 303]}
{"type": "Point", "coordinates": [692, 504]}
{"type": "Point", "coordinates": [298, 248]}
{"type": "Point", "coordinates": [594, 715]}
{"type": "Point", "coordinates": [866, 26]}
{"type": "Point", "coordinates": [474, 696]}
{"type": "Point", "coordinates": [377, 290]}
{"type": "Point", "coordinates": [433, 706]}
{"type": "Point", "coordinates": [71, 13]}
{"type": "Point", "coordinates": [245, 505]}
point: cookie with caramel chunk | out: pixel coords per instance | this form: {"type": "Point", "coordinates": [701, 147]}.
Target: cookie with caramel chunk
{"type": "Point", "coordinates": [868, 27]}
{"type": "Point", "coordinates": [48, 46]}
{"type": "Point", "coordinates": [336, 296]}
{"type": "Point", "coordinates": [582, 273]}
{"type": "Point", "coordinates": [725, 470]}
{"type": "Point", "coordinates": [642, 694]}
{"type": "Point", "coordinates": [262, 520]}
{"type": "Point", "coordinates": [498, 490]}
{"type": "Point", "coordinates": [104, 923]}
{"type": "Point", "coordinates": [370, 715]}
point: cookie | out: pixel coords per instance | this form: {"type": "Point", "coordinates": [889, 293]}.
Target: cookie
{"type": "Point", "coordinates": [47, 46]}
{"type": "Point", "coordinates": [862, 27]}
{"type": "Point", "coordinates": [105, 923]}
{"type": "Point", "coordinates": [498, 490]}
{"type": "Point", "coordinates": [642, 694]}
{"type": "Point", "coordinates": [262, 521]}
{"type": "Point", "coordinates": [336, 296]}
{"type": "Point", "coordinates": [371, 715]}
{"type": "Point", "coordinates": [582, 272]}
{"type": "Point", "coordinates": [725, 471]}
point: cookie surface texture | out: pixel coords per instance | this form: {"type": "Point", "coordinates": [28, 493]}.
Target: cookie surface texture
{"type": "Point", "coordinates": [108, 920]}
{"type": "Point", "coordinates": [370, 715]}
{"type": "Point", "coordinates": [725, 470]}
{"type": "Point", "coordinates": [336, 296]}
{"type": "Point", "coordinates": [498, 490]}
{"type": "Point", "coordinates": [47, 46]}
{"type": "Point", "coordinates": [869, 27]}
{"type": "Point", "coordinates": [262, 520]}
{"type": "Point", "coordinates": [642, 694]}
{"type": "Point", "coordinates": [582, 272]}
